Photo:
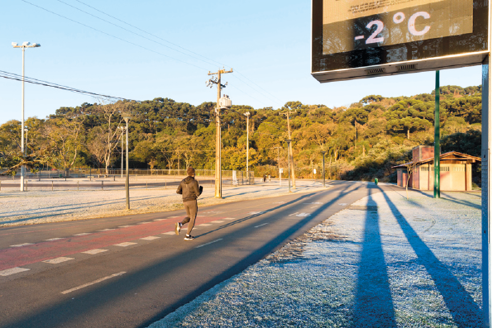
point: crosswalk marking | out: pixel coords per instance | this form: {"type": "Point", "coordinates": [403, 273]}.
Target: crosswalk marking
{"type": "Point", "coordinates": [54, 239]}
{"type": "Point", "coordinates": [95, 251]}
{"type": "Point", "coordinates": [22, 245]}
{"type": "Point", "coordinates": [150, 238]}
{"type": "Point", "coordinates": [58, 260]}
{"type": "Point", "coordinates": [8, 272]}
{"type": "Point", "coordinates": [125, 244]}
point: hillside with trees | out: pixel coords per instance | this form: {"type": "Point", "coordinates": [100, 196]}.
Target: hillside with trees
{"type": "Point", "coordinates": [362, 141]}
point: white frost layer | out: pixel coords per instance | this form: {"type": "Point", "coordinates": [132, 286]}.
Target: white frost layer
{"type": "Point", "coordinates": [400, 263]}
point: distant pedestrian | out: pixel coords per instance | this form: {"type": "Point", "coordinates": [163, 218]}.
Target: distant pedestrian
{"type": "Point", "coordinates": [191, 190]}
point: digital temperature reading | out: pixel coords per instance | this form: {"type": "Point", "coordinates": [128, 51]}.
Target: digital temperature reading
{"type": "Point", "coordinates": [360, 24]}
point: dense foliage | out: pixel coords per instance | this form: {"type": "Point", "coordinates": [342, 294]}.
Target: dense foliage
{"type": "Point", "coordinates": [362, 141]}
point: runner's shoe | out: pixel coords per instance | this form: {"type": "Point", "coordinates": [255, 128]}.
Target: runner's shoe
{"type": "Point", "coordinates": [189, 237]}
{"type": "Point", "coordinates": [177, 228]}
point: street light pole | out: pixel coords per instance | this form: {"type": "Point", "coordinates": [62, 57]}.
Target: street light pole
{"type": "Point", "coordinates": [23, 47]}
{"type": "Point", "coordinates": [278, 163]}
{"type": "Point", "coordinates": [247, 143]}
{"type": "Point", "coordinates": [288, 158]}
{"type": "Point", "coordinates": [127, 182]}
{"type": "Point", "coordinates": [324, 184]}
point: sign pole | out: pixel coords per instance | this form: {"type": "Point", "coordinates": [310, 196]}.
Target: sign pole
{"type": "Point", "coordinates": [437, 143]}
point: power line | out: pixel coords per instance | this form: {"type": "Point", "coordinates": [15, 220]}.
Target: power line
{"type": "Point", "coordinates": [125, 29]}
{"type": "Point", "coordinates": [16, 77]}
{"type": "Point", "coordinates": [262, 90]}
{"type": "Point", "coordinates": [111, 35]}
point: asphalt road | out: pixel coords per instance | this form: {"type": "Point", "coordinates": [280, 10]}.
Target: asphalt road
{"type": "Point", "coordinates": [131, 271]}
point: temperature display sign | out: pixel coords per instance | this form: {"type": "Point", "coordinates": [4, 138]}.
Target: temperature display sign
{"type": "Point", "coordinates": [360, 38]}
{"type": "Point", "coordinates": [360, 24]}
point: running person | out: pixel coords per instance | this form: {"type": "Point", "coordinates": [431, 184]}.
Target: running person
{"type": "Point", "coordinates": [191, 190]}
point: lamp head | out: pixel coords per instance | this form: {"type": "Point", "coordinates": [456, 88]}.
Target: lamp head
{"type": "Point", "coordinates": [26, 43]}
{"type": "Point", "coordinates": [15, 44]}
{"type": "Point", "coordinates": [36, 45]}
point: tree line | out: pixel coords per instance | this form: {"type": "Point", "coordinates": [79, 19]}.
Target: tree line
{"type": "Point", "coordinates": [361, 141]}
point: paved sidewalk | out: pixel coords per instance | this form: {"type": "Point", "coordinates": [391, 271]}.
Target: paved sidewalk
{"type": "Point", "coordinates": [384, 262]}
{"type": "Point", "coordinates": [42, 206]}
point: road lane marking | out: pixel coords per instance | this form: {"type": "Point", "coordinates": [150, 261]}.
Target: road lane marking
{"type": "Point", "coordinates": [143, 222]}
{"type": "Point", "coordinates": [54, 239]}
{"type": "Point", "coordinates": [300, 214]}
{"type": "Point", "coordinates": [125, 244]}
{"type": "Point", "coordinates": [11, 271]}
{"type": "Point", "coordinates": [261, 225]}
{"type": "Point", "coordinates": [93, 283]}
{"type": "Point", "coordinates": [95, 251]}
{"type": "Point", "coordinates": [205, 225]}
{"type": "Point", "coordinates": [103, 230]}
{"type": "Point", "coordinates": [255, 213]}
{"type": "Point", "coordinates": [229, 218]}
{"type": "Point", "coordinates": [22, 245]}
{"type": "Point", "coordinates": [82, 234]}
{"type": "Point", "coordinates": [217, 221]}
{"type": "Point", "coordinates": [150, 238]}
{"type": "Point", "coordinates": [316, 203]}
{"type": "Point", "coordinates": [212, 242]}
{"type": "Point", "coordinates": [169, 233]}
{"type": "Point", "coordinates": [157, 220]}
{"type": "Point", "coordinates": [58, 260]}
{"type": "Point", "coordinates": [342, 204]}
{"type": "Point", "coordinates": [125, 226]}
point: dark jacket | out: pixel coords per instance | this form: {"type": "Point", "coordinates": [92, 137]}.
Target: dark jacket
{"type": "Point", "coordinates": [190, 189]}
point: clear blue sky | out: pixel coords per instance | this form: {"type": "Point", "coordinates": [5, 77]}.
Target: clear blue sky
{"type": "Point", "coordinates": [267, 42]}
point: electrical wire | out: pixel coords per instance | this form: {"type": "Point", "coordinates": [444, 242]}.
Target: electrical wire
{"type": "Point", "coordinates": [111, 35]}
{"type": "Point", "coordinates": [16, 77]}
{"type": "Point", "coordinates": [205, 59]}
{"type": "Point", "coordinates": [250, 84]}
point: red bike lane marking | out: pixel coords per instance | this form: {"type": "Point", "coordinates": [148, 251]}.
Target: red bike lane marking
{"type": "Point", "coordinates": [20, 256]}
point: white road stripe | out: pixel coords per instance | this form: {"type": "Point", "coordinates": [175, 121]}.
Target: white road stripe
{"type": "Point", "coordinates": [217, 221]}
{"type": "Point", "coordinates": [205, 225]}
{"type": "Point", "coordinates": [54, 239]}
{"type": "Point", "coordinates": [143, 222]}
{"type": "Point", "coordinates": [93, 283]}
{"type": "Point", "coordinates": [58, 260]}
{"type": "Point", "coordinates": [229, 218]}
{"type": "Point", "coordinates": [125, 226]}
{"type": "Point", "coordinates": [82, 234]}
{"type": "Point", "coordinates": [8, 272]}
{"type": "Point", "coordinates": [103, 230]}
{"type": "Point", "coordinates": [95, 251]}
{"type": "Point", "coordinates": [157, 220]}
{"type": "Point", "coordinates": [169, 233]}
{"type": "Point", "coordinates": [150, 238]}
{"type": "Point", "coordinates": [261, 225]}
{"type": "Point", "coordinates": [255, 213]}
{"type": "Point", "coordinates": [125, 244]}
{"type": "Point", "coordinates": [21, 245]}
{"type": "Point", "coordinates": [215, 241]}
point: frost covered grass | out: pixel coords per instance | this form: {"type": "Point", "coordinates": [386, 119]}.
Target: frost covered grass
{"type": "Point", "coordinates": [384, 262]}
{"type": "Point", "coordinates": [42, 206]}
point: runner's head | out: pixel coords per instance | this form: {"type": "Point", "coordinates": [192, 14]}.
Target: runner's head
{"type": "Point", "coordinates": [190, 171]}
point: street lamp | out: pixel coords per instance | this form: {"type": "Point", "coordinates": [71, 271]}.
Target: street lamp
{"type": "Point", "coordinates": [324, 152]}
{"type": "Point", "coordinates": [247, 143]}
{"type": "Point", "coordinates": [126, 117]}
{"type": "Point", "coordinates": [288, 158]}
{"type": "Point", "coordinates": [223, 103]}
{"type": "Point", "coordinates": [122, 128]}
{"type": "Point", "coordinates": [23, 46]}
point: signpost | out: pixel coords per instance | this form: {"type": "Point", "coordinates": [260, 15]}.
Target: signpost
{"type": "Point", "coordinates": [362, 39]}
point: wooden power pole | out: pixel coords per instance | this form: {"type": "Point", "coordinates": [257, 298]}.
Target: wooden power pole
{"type": "Point", "coordinates": [218, 141]}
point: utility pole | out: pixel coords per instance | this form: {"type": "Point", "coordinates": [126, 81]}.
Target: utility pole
{"type": "Point", "coordinates": [288, 159]}
{"type": "Point", "coordinates": [122, 128]}
{"type": "Point", "coordinates": [291, 168]}
{"type": "Point", "coordinates": [324, 184]}
{"type": "Point", "coordinates": [218, 140]}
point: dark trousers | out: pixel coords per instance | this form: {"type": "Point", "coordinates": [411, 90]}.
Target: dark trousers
{"type": "Point", "coordinates": [191, 207]}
